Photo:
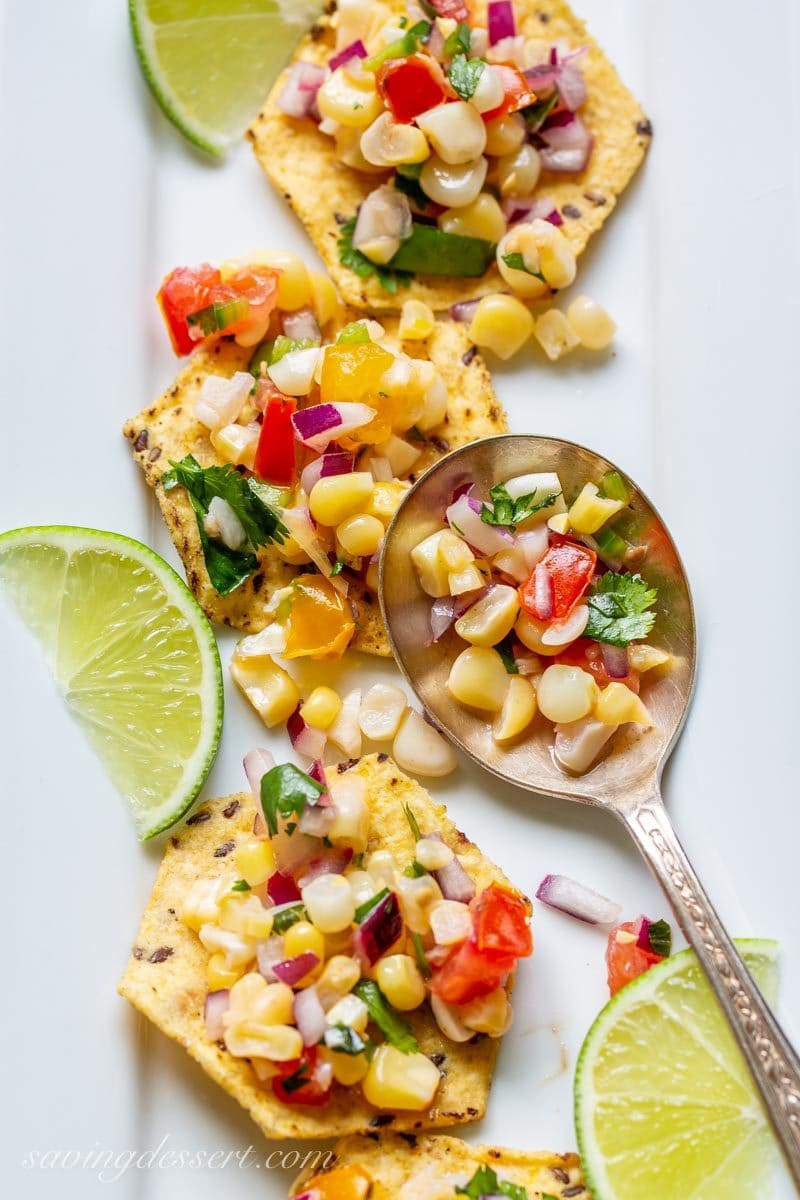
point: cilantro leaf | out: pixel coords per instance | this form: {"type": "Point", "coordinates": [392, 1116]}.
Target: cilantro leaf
{"type": "Point", "coordinates": [536, 114]}
{"type": "Point", "coordinates": [287, 917]}
{"type": "Point", "coordinates": [359, 263]}
{"type": "Point", "coordinates": [412, 822]}
{"type": "Point", "coordinates": [410, 186]}
{"type": "Point", "coordinates": [227, 569]}
{"type": "Point", "coordinates": [459, 40]}
{"type": "Point", "coordinates": [504, 649]}
{"type": "Point", "coordinates": [285, 791]}
{"type": "Point", "coordinates": [396, 1031]}
{"type": "Point", "coordinates": [485, 1183]}
{"type": "Point", "coordinates": [517, 263]}
{"type": "Point", "coordinates": [618, 609]}
{"type": "Point", "coordinates": [421, 956]}
{"type": "Point", "coordinates": [337, 567]}
{"type": "Point", "coordinates": [298, 1079]}
{"type": "Point", "coordinates": [344, 1040]}
{"type": "Point", "coordinates": [660, 935]}
{"type": "Point", "coordinates": [464, 74]}
{"type": "Point", "coordinates": [241, 885]}
{"type": "Point", "coordinates": [510, 513]}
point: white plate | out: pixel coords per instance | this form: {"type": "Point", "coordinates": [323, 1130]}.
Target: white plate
{"type": "Point", "coordinates": [700, 268]}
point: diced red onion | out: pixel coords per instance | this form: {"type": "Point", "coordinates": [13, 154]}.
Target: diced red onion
{"type": "Point", "coordinates": [381, 469]}
{"type": "Point", "coordinates": [317, 819]}
{"type": "Point", "coordinates": [464, 310]}
{"type": "Point", "coordinates": [214, 1010]}
{"type": "Point", "coordinates": [516, 209]}
{"type": "Point", "coordinates": [317, 772]}
{"type": "Point", "coordinates": [292, 850]}
{"type": "Point", "coordinates": [305, 738]}
{"type": "Point", "coordinates": [543, 593]}
{"type": "Point", "coordinates": [447, 609]}
{"type": "Point", "coordinates": [379, 930]}
{"type": "Point", "coordinates": [334, 861]}
{"type": "Point", "coordinates": [435, 42]}
{"type": "Point", "coordinates": [320, 424]}
{"type": "Point", "coordinates": [501, 21]}
{"type": "Point", "coordinates": [256, 765]}
{"type": "Point", "coordinates": [466, 522]}
{"type": "Point", "coordinates": [282, 889]}
{"type": "Point", "coordinates": [299, 92]}
{"type": "Point", "coordinates": [268, 953]}
{"type": "Point", "coordinates": [452, 878]}
{"type": "Point", "coordinates": [568, 144]}
{"type": "Point", "coordinates": [298, 522]}
{"type": "Point", "coordinates": [302, 326]}
{"type": "Point", "coordinates": [309, 1016]}
{"type": "Point", "coordinates": [542, 79]}
{"type": "Point", "coordinates": [356, 49]}
{"type": "Point", "coordinates": [615, 660]}
{"type": "Point", "coordinates": [333, 463]}
{"type": "Point", "coordinates": [571, 86]}
{"type": "Point", "coordinates": [577, 900]}
{"type": "Point", "coordinates": [292, 970]}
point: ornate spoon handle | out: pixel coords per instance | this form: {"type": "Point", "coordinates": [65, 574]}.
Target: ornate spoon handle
{"type": "Point", "coordinates": [772, 1059]}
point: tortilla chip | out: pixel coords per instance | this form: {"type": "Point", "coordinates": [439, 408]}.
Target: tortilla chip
{"type": "Point", "coordinates": [301, 162]}
{"type": "Point", "coordinates": [168, 431]}
{"type": "Point", "coordinates": [166, 976]}
{"type": "Point", "coordinates": [391, 1160]}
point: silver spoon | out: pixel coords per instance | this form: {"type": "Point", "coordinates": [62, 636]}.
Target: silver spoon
{"type": "Point", "coordinates": [626, 782]}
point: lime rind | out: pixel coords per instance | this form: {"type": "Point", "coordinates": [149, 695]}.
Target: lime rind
{"type": "Point", "coordinates": [737, 1108]}
{"type": "Point", "coordinates": [109, 712]}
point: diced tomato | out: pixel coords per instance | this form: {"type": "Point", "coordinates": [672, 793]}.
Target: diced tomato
{"type": "Point", "coordinates": [588, 655]}
{"type": "Point", "coordinates": [187, 291]}
{"type": "Point", "coordinates": [500, 936]}
{"type": "Point", "coordinates": [275, 460]}
{"type": "Point", "coordinates": [410, 86]}
{"type": "Point", "coordinates": [299, 1080]}
{"type": "Point", "coordinates": [624, 958]}
{"type": "Point", "coordinates": [518, 93]}
{"type": "Point", "coordinates": [456, 10]}
{"type": "Point", "coordinates": [570, 567]}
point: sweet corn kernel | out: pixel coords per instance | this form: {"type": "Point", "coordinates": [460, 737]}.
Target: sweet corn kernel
{"type": "Point", "coordinates": [339, 976]}
{"type": "Point", "coordinates": [490, 619]}
{"type": "Point", "coordinates": [556, 256]}
{"type": "Point", "coordinates": [269, 688]}
{"type": "Point", "coordinates": [566, 693]}
{"type": "Point", "coordinates": [489, 91]}
{"type": "Point", "coordinates": [452, 185]}
{"type": "Point", "coordinates": [559, 523]}
{"type": "Point", "coordinates": [451, 922]}
{"type": "Point", "coordinates": [350, 98]}
{"type": "Point", "coordinates": [237, 950]}
{"type": "Point", "coordinates": [321, 708]}
{"type": "Point", "coordinates": [591, 323]}
{"type": "Point", "coordinates": [590, 510]}
{"type": "Point", "coordinates": [348, 150]}
{"type": "Point", "coordinates": [517, 174]}
{"type": "Point", "coordinates": [418, 748]}
{"type": "Point", "coordinates": [432, 570]}
{"type": "Point", "coordinates": [432, 854]}
{"type": "Point", "coordinates": [388, 143]}
{"type": "Point", "coordinates": [403, 1081]}
{"type": "Point", "coordinates": [324, 297]}
{"type": "Point", "coordinates": [502, 324]}
{"type": "Point", "coordinates": [201, 903]}
{"type": "Point", "coordinates": [382, 868]}
{"type": "Point", "coordinates": [530, 632]}
{"type": "Point", "coordinates": [360, 535]}
{"type": "Point", "coordinates": [505, 135]}
{"type": "Point", "coordinates": [347, 1069]}
{"type": "Point", "coordinates": [294, 288]}
{"type": "Point", "coordinates": [350, 1010]}
{"type": "Point", "coordinates": [278, 1043]}
{"type": "Point", "coordinates": [302, 937]}
{"type": "Point", "coordinates": [479, 679]}
{"type": "Point", "coordinates": [490, 1014]}
{"type": "Point", "coordinates": [417, 321]}
{"type": "Point", "coordinates": [483, 218]}
{"type": "Point", "coordinates": [417, 898]}
{"type": "Point", "coordinates": [339, 943]}
{"type": "Point", "coordinates": [455, 130]}
{"type": "Point", "coordinates": [219, 974]}
{"type": "Point", "coordinates": [519, 709]}
{"type": "Point", "coordinates": [398, 977]}
{"type": "Point", "coordinates": [554, 334]}
{"type": "Point", "coordinates": [467, 580]}
{"type": "Point", "coordinates": [382, 711]}
{"type": "Point", "coordinates": [617, 704]}
{"type": "Point", "coordinates": [434, 405]}
{"type": "Point", "coordinates": [362, 885]}
{"type": "Point", "coordinates": [329, 903]}
{"type": "Point", "coordinates": [236, 444]}
{"type": "Point", "coordinates": [645, 658]}
{"type": "Point", "coordinates": [253, 1001]}
{"type": "Point", "coordinates": [454, 551]}
{"type": "Point", "coordinates": [338, 496]}
{"type": "Point", "coordinates": [243, 913]}
{"type": "Point", "coordinates": [255, 861]}
{"type": "Point", "coordinates": [351, 823]}
{"type": "Point", "coordinates": [385, 500]}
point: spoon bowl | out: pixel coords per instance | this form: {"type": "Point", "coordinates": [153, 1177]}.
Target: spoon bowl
{"type": "Point", "coordinates": [627, 780]}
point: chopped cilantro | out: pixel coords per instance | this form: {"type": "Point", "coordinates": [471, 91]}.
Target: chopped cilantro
{"type": "Point", "coordinates": [285, 791]}
{"type": "Point", "coordinates": [536, 114]}
{"type": "Point", "coordinates": [459, 40]}
{"type": "Point", "coordinates": [359, 263]}
{"type": "Point", "coordinates": [618, 609]}
{"type": "Point", "coordinates": [396, 1030]}
{"type": "Point", "coordinates": [227, 569]}
{"type": "Point", "coordinates": [401, 48]}
{"type": "Point", "coordinates": [344, 1040]}
{"type": "Point", "coordinates": [421, 956]}
{"type": "Point", "coordinates": [485, 1183]}
{"type": "Point", "coordinates": [464, 74]}
{"type": "Point", "coordinates": [660, 935]}
{"type": "Point", "coordinates": [288, 917]}
{"type": "Point", "coordinates": [517, 263]}
{"type": "Point", "coordinates": [410, 186]}
{"type": "Point", "coordinates": [241, 885]}
{"type": "Point", "coordinates": [511, 513]}
{"type": "Point", "coordinates": [337, 567]}
{"type": "Point", "coordinates": [412, 822]}
{"type": "Point", "coordinates": [298, 1079]}
{"type": "Point", "coordinates": [415, 870]}
{"type": "Point", "coordinates": [507, 654]}
{"type": "Point", "coordinates": [366, 908]}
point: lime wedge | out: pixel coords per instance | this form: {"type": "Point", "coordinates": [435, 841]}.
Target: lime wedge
{"type": "Point", "coordinates": [211, 63]}
{"type": "Point", "coordinates": [665, 1108]}
{"type": "Point", "coordinates": [133, 655]}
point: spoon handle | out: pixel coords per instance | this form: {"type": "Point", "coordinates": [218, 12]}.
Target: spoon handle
{"type": "Point", "coordinates": [772, 1059]}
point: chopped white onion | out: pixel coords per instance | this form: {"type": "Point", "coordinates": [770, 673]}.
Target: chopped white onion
{"type": "Point", "coordinates": [309, 1016]}
{"type": "Point", "coordinates": [221, 400]}
{"type": "Point", "coordinates": [256, 765]}
{"type": "Point", "coordinates": [294, 373]}
{"type": "Point", "coordinates": [222, 522]}
{"type": "Point", "coordinates": [467, 523]}
{"type": "Point", "coordinates": [302, 326]}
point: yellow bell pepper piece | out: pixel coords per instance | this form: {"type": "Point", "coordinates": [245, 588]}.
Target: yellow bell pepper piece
{"type": "Point", "coordinates": [342, 1183]}
{"type": "Point", "coordinates": [320, 623]}
{"type": "Point", "coordinates": [353, 371]}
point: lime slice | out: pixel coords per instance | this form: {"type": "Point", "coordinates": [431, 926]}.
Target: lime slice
{"type": "Point", "coordinates": [211, 63]}
{"type": "Point", "coordinates": [133, 655]}
{"type": "Point", "coordinates": [665, 1108]}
